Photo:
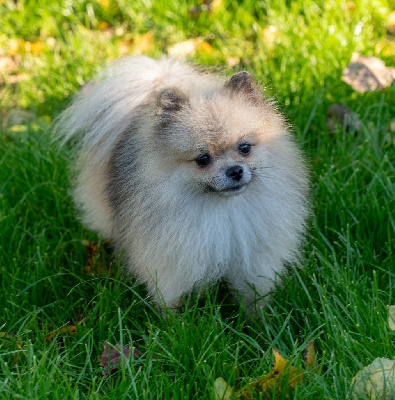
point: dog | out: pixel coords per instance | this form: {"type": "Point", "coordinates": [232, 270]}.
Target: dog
{"type": "Point", "coordinates": [193, 177]}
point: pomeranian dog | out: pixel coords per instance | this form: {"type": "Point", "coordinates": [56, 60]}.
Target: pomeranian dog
{"type": "Point", "coordinates": [193, 177]}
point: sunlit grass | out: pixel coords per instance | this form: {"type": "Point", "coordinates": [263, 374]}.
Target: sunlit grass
{"type": "Point", "coordinates": [338, 299]}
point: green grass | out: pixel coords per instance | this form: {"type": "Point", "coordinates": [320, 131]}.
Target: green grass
{"type": "Point", "coordinates": [338, 299]}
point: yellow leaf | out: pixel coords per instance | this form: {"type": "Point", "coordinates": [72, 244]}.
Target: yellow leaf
{"type": "Point", "coordinates": [105, 4]}
{"type": "Point", "coordinates": [143, 43]}
{"type": "Point", "coordinates": [282, 377]}
{"type": "Point", "coordinates": [205, 47]}
{"type": "Point", "coordinates": [189, 48]}
{"type": "Point", "coordinates": [67, 330]}
{"type": "Point", "coordinates": [270, 34]}
{"type": "Point", "coordinates": [103, 25]}
{"type": "Point", "coordinates": [13, 47]}
{"type": "Point", "coordinates": [310, 356]}
{"type": "Point", "coordinates": [186, 48]}
{"type": "Point", "coordinates": [125, 47]}
{"type": "Point", "coordinates": [37, 47]}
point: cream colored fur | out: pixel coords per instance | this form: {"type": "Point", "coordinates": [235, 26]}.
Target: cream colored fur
{"type": "Point", "coordinates": [138, 184]}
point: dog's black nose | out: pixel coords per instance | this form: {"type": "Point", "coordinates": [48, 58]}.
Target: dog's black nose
{"type": "Point", "coordinates": [235, 172]}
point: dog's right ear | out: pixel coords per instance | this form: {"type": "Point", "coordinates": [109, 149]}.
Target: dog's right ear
{"type": "Point", "coordinates": [243, 83]}
{"type": "Point", "coordinates": [169, 102]}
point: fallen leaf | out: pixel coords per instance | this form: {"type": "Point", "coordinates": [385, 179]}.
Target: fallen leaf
{"type": "Point", "coordinates": [143, 43]}
{"type": "Point", "coordinates": [189, 48]}
{"type": "Point", "coordinates": [95, 265]}
{"type": "Point", "coordinates": [35, 47]}
{"type": "Point", "coordinates": [125, 46]}
{"type": "Point", "coordinates": [367, 74]}
{"type": "Point", "coordinates": [65, 331]}
{"type": "Point", "coordinates": [68, 330]}
{"type": "Point", "coordinates": [391, 23]}
{"type": "Point", "coordinates": [205, 47]}
{"type": "Point", "coordinates": [17, 116]}
{"type": "Point", "coordinates": [183, 49]}
{"type": "Point", "coordinates": [111, 360]}
{"type": "Point", "coordinates": [350, 5]}
{"type": "Point", "coordinates": [103, 25]}
{"type": "Point", "coordinates": [222, 391]}
{"type": "Point", "coordinates": [105, 4]}
{"type": "Point", "coordinates": [282, 377]}
{"type": "Point", "coordinates": [310, 357]}
{"type": "Point", "coordinates": [270, 34]}
{"type": "Point", "coordinates": [339, 116]}
{"type": "Point", "coordinates": [391, 309]}
{"type": "Point", "coordinates": [232, 61]}
{"type": "Point", "coordinates": [376, 381]}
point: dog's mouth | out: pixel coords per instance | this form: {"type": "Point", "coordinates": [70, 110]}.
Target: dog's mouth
{"type": "Point", "coordinates": [227, 191]}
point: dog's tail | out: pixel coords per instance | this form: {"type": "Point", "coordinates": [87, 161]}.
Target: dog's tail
{"type": "Point", "coordinates": [106, 106]}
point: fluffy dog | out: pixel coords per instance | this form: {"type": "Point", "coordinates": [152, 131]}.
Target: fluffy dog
{"type": "Point", "coordinates": [194, 178]}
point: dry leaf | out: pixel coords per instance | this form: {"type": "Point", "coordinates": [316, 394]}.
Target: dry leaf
{"type": "Point", "coordinates": [367, 74]}
{"type": "Point", "coordinates": [94, 264]}
{"type": "Point", "coordinates": [350, 5]}
{"type": "Point", "coordinates": [270, 34]}
{"type": "Point", "coordinates": [222, 391]}
{"type": "Point", "coordinates": [339, 115]}
{"type": "Point", "coordinates": [186, 48]}
{"type": "Point", "coordinates": [143, 43]}
{"type": "Point", "coordinates": [103, 25]}
{"type": "Point", "coordinates": [34, 47]}
{"type": "Point", "coordinates": [391, 309]}
{"type": "Point", "coordinates": [106, 4]}
{"type": "Point", "coordinates": [111, 360]}
{"type": "Point", "coordinates": [232, 61]}
{"type": "Point", "coordinates": [283, 377]}
{"type": "Point", "coordinates": [17, 116]}
{"type": "Point", "coordinates": [189, 48]}
{"type": "Point", "coordinates": [391, 23]}
{"type": "Point", "coordinates": [125, 46]}
{"type": "Point", "coordinates": [68, 330]}
{"type": "Point", "coordinates": [376, 381]}
{"type": "Point", "coordinates": [65, 331]}
{"type": "Point", "coordinates": [205, 47]}
{"type": "Point", "coordinates": [310, 357]}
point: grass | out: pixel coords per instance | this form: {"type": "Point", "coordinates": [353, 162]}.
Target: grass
{"type": "Point", "coordinates": [338, 299]}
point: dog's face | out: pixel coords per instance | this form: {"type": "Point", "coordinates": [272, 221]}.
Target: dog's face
{"type": "Point", "coordinates": [216, 143]}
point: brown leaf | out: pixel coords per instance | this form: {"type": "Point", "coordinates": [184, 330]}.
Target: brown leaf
{"type": "Point", "coordinates": [339, 115]}
{"type": "Point", "coordinates": [95, 265]}
{"type": "Point", "coordinates": [65, 331]}
{"type": "Point", "coordinates": [17, 116]}
{"type": "Point", "coordinates": [367, 74]}
{"type": "Point", "coordinates": [111, 360]}
{"type": "Point", "coordinates": [68, 330]}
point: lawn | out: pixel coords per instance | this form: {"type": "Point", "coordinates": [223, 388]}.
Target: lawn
{"type": "Point", "coordinates": [57, 310]}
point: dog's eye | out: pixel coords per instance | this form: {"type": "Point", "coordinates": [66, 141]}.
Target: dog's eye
{"type": "Point", "coordinates": [244, 149]}
{"type": "Point", "coordinates": [203, 160]}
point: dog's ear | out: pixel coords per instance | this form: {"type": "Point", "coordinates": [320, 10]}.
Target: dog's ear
{"type": "Point", "coordinates": [169, 102]}
{"type": "Point", "coordinates": [243, 83]}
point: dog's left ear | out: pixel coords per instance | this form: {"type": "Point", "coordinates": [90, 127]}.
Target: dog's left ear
{"type": "Point", "coordinates": [169, 103]}
{"type": "Point", "coordinates": [244, 84]}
